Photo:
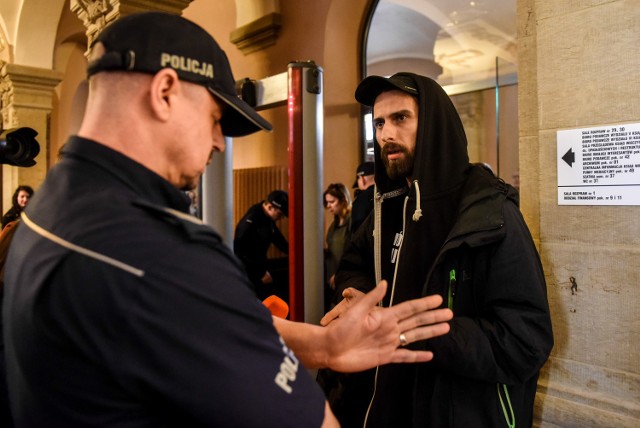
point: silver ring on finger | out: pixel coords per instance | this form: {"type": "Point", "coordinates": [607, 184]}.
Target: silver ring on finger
{"type": "Point", "coordinates": [403, 340]}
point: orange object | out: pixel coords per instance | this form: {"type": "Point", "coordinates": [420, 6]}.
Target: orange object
{"type": "Point", "coordinates": [276, 306]}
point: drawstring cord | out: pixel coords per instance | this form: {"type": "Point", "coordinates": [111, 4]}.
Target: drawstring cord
{"type": "Point", "coordinates": [510, 418]}
{"type": "Point", "coordinates": [418, 212]}
{"type": "Point", "coordinates": [377, 218]}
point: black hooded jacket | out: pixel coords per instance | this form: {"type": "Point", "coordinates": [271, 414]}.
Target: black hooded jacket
{"type": "Point", "coordinates": [463, 237]}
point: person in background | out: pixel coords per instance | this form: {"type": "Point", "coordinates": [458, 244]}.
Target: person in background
{"type": "Point", "coordinates": [365, 188]}
{"type": "Point", "coordinates": [194, 205]}
{"type": "Point", "coordinates": [337, 200]}
{"type": "Point", "coordinates": [120, 308]}
{"type": "Point", "coordinates": [515, 179]}
{"type": "Point", "coordinates": [255, 232]}
{"type": "Point", "coordinates": [19, 201]}
{"type": "Point", "coordinates": [10, 222]}
{"type": "Point", "coordinates": [347, 393]}
{"type": "Point", "coordinates": [6, 235]}
{"type": "Point", "coordinates": [445, 226]}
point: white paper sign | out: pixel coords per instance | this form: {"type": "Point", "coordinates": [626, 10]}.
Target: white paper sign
{"type": "Point", "coordinates": [599, 165]}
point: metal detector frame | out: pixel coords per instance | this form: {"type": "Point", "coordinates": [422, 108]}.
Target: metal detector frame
{"type": "Point", "coordinates": [301, 88]}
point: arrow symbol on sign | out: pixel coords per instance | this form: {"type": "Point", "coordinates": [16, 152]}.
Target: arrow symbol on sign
{"type": "Point", "coordinates": [569, 157]}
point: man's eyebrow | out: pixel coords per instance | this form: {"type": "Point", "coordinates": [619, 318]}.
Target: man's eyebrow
{"type": "Point", "coordinates": [403, 112]}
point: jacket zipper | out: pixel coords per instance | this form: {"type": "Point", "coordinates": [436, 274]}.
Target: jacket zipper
{"type": "Point", "coordinates": [452, 288]}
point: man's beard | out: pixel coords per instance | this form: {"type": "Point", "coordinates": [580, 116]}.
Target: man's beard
{"type": "Point", "coordinates": [397, 168]}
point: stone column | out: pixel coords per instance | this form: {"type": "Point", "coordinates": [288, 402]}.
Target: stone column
{"type": "Point", "coordinates": [258, 24]}
{"type": "Point", "coordinates": [96, 14]}
{"type": "Point", "coordinates": [578, 67]}
{"type": "Point", "coordinates": [26, 100]}
{"type": "Point", "coordinates": [530, 168]}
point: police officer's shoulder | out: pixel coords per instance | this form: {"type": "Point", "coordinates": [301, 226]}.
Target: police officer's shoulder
{"type": "Point", "coordinates": [192, 227]}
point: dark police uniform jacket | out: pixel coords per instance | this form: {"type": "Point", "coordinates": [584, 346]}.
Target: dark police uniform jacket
{"type": "Point", "coordinates": [122, 310]}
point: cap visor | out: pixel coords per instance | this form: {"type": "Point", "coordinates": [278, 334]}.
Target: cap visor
{"type": "Point", "coordinates": [369, 89]}
{"type": "Point", "coordinates": [372, 86]}
{"type": "Point", "coordinates": [241, 119]}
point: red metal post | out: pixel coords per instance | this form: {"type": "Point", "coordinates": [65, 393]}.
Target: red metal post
{"type": "Point", "coordinates": [296, 234]}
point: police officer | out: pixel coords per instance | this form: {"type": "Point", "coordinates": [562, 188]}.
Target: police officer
{"type": "Point", "coordinates": [255, 232]}
{"type": "Point", "coordinates": [365, 187]}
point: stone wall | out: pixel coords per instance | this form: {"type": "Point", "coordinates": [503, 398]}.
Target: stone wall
{"type": "Point", "coordinates": [578, 67]}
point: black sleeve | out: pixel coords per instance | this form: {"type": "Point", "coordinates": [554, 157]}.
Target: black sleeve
{"type": "Point", "coordinates": [248, 250]}
{"type": "Point", "coordinates": [280, 241]}
{"type": "Point", "coordinates": [8, 217]}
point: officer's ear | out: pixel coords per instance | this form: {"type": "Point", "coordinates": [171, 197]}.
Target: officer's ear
{"type": "Point", "coordinates": [165, 85]}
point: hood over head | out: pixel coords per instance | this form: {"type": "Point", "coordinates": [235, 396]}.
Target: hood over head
{"type": "Point", "coordinates": [441, 157]}
{"type": "Point", "coordinates": [438, 177]}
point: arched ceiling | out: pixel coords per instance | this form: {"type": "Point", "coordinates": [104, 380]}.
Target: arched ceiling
{"type": "Point", "coordinates": [18, 18]}
{"type": "Point", "coordinates": [464, 37]}
{"type": "Point", "coordinates": [20, 44]}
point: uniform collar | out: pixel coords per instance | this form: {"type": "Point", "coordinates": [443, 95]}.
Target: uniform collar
{"type": "Point", "coordinates": [141, 180]}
